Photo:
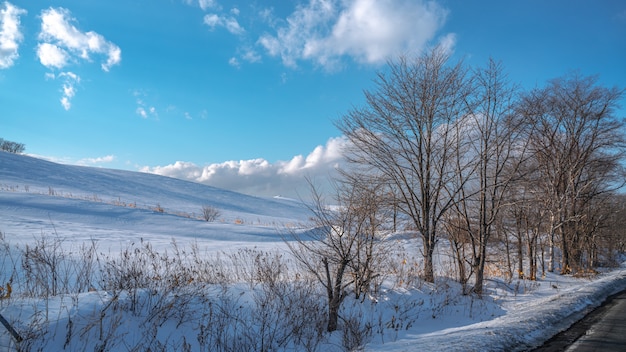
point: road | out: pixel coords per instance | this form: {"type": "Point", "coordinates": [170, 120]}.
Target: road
{"type": "Point", "coordinates": [604, 330]}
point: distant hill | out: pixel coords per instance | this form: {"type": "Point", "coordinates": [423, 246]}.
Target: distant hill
{"type": "Point", "coordinates": [31, 175]}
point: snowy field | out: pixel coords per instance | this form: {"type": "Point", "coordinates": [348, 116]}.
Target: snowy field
{"type": "Point", "coordinates": [103, 215]}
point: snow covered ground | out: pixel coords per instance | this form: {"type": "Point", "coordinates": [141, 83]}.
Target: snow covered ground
{"type": "Point", "coordinates": [116, 210]}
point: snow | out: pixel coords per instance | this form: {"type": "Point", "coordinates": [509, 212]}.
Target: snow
{"type": "Point", "coordinates": [116, 209]}
{"type": "Point", "coordinates": [528, 322]}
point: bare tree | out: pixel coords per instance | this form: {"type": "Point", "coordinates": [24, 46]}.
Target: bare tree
{"type": "Point", "coordinates": [11, 147]}
{"type": "Point", "coordinates": [578, 144]}
{"type": "Point", "coordinates": [341, 250]}
{"type": "Point", "coordinates": [489, 156]}
{"type": "Point", "coordinates": [404, 134]}
{"type": "Point", "coordinates": [529, 217]}
{"type": "Point", "coordinates": [610, 238]}
{"type": "Point", "coordinates": [459, 241]}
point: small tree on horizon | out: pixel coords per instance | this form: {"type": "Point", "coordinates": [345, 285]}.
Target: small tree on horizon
{"type": "Point", "coordinates": [11, 147]}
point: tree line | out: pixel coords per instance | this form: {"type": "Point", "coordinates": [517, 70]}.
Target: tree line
{"type": "Point", "coordinates": [462, 156]}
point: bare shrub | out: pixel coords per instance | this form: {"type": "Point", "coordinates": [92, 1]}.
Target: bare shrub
{"type": "Point", "coordinates": [355, 334]}
{"type": "Point", "coordinates": [8, 268]}
{"type": "Point", "coordinates": [210, 213]}
{"type": "Point", "coordinates": [181, 287]}
{"type": "Point", "coordinates": [43, 267]}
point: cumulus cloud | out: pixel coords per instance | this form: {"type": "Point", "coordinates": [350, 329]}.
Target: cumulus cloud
{"type": "Point", "coordinates": [368, 31]}
{"type": "Point", "coordinates": [230, 23]}
{"type": "Point", "coordinates": [259, 176]}
{"type": "Point", "coordinates": [62, 42]}
{"type": "Point", "coordinates": [10, 34]}
{"type": "Point", "coordinates": [51, 55]}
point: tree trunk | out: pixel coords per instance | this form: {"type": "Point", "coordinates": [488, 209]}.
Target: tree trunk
{"type": "Point", "coordinates": [551, 248]}
{"type": "Point", "coordinates": [459, 253]}
{"type": "Point", "coordinates": [333, 313]}
{"type": "Point", "coordinates": [335, 294]}
{"type": "Point", "coordinates": [520, 255]}
{"type": "Point", "coordinates": [429, 270]}
{"type": "Point", "coordinates": [479, 268]}
{"type": "Point", "coordinates": [532, 259]}
{"type": "Point", "coordinates": [565, 259]}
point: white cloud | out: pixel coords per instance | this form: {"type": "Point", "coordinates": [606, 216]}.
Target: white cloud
{"type": "Point", "coordinates": [212, 20]}
{"type": "Point", "coordinates": [143, 109]}
{"type": "Point", "coordinates": [234, 62]}
{"type": "Point", "coordinates": [267, 15]}
{"type": "Point", "coordinates": [51, 55]}
{"type": "Point", "coordinates": [98, 160]}
{"type": "Point", "coordinates": [303, 25]}
{"type": "Point", "coordinates": [368, 31]}
{"type": "Point", "coordinates": [68, 89]}
{"type": "Point", "coordinates": [58, 31]}
{"type": "Point", "coordinates": [228, 22]}
{"type": "Point", "coordinates": [448, 42]}
{"type": "Point", "coordinates": [10, 34]}
{"type": "Point", "coordinates": [251, 56]}
{"type": "Point", "coordinates": [203, 4]}
{"type": "Point", "coordinates": [259, 176]}
{"type": "Point", "coordinates": [142, 112]}
{"type": "Point", "coordinates": [207, 4]}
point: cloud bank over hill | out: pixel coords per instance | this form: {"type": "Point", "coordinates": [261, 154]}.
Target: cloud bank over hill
{"type": "Point", "coordinates": [262, 178]}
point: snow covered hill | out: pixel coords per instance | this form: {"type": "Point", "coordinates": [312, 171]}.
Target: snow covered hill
{"type": "Point", "coordinates": [142, 188]}
{"type": "Point", "coordinates": [81, 202]}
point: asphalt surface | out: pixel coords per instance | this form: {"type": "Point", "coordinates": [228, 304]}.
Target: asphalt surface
{"type": "Point", "coordinates": [604, 329]}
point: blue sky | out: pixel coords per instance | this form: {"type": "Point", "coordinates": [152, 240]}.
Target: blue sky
{"type": "Point", "coordinates": [243, 94]}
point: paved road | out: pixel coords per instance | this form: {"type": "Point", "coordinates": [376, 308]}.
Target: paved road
{"type": "Point", "coordinates": [609, 332]}
{"type": "Point", "coordinates": [604, 330]}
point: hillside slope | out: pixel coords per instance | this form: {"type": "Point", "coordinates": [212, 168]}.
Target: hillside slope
{"type": "Point", "coordinates": [40, 197]}
{"type": "Point", "coordinates": [127, 186]}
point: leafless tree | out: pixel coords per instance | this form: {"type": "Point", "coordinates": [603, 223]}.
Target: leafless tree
{"type": "Point", "coordinates": [11, 147]}
{"type": "Point", "coordinates": [489, 155]}
{"type": "Point", "coordinates": [609, 240]}
{"type": "Point", "coordinates": [528, 225]}
{"type": "Point", "coordinates": [342, 248]}
{"type": "Point", "coordinates": [404, 134]}
{"type": "Point", "coordinates": [459, 242]}
{"type": "Point", "coordinates": [578, 144]}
